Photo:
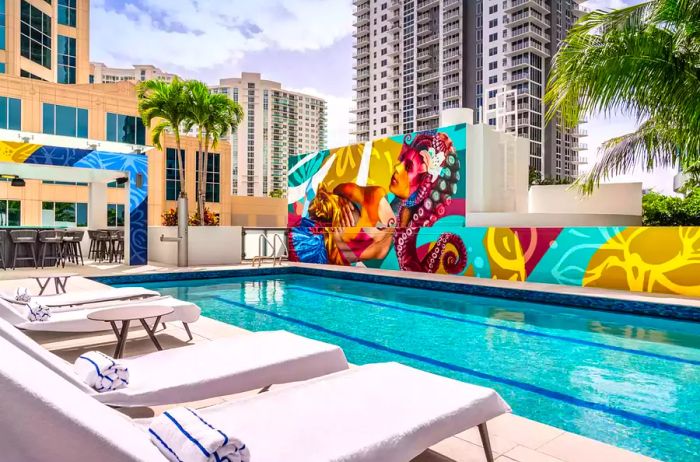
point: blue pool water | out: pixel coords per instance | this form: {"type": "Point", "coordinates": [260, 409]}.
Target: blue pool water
{"type": "Point", "coordinates": [626, 380]}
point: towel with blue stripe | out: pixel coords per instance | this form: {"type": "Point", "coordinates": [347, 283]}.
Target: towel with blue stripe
{"type": "Point", "coordinates": [23, 295]}
{"type": "Point", "coordinates": [37, 312]}
{"type": "Point", "coordinates": [101, 372]}
{"type": "Point", "coordinates": [182, 435]}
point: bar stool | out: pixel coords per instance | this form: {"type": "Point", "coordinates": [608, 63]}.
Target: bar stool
{"type": "Point", "coordinates": [51, 240]}
{"type": "Point", "coordinates": [21, 238]}
{"type": "Point", "coordinates": [92, 252]}
{"type": "Point", "coordinates": [3, 239]}
{"type": "Point", "coordinates": [117, 238]}
{"type": "Point", "coordinates": [72, 250]}
{"type": "Point", "coordinates": [103, 245]}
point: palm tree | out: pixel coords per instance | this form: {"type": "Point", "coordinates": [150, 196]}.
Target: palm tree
{"type": "Point", "coordinates": [166, 103]}
{"type": "Point", "coordinates": [213, 115]}
{"type": "Point", "coordinates": [644, 61]}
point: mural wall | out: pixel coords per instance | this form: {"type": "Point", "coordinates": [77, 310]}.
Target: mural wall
{"type": "Point", "coordinates": [400, 203]}
{"type": "Point", "coordinates": [132, 164]}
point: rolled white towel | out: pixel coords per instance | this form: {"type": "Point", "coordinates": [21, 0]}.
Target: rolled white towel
{"type": "Point", "coordinates": [101, 372]}
{"type": "Point", "coordinates": [37, 312]}
{"type": "Point", "coordinates": [23, 295]}
{"type": "Point", "coordinates": [182, 435]}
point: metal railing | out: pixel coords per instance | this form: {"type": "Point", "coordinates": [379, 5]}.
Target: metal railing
{"type": "Point", "coordinates": [264, 244]}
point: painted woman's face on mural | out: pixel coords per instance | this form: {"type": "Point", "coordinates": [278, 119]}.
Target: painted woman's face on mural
{"type": "Point", "coordinates": [407, 173]}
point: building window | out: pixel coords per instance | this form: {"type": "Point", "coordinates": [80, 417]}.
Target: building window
{"type": "Point", "coordinates": [213, 179]}
{"type": "Point", "coordinates": [116, 185]}
{"type": "Point", "coordinates": [2, 26]}
{"type": "Point", "coordinates": [68, 214]}
{"type": "Point", "coordinates": [125, 129]}
{"type": "Point", "coordinates": [66, 12]}
{"type": "Point", "coordinates": [66, 59]}
{"type": "Point", "coordinates": [115, 215]}
{"type": "Point", "coordinates": [10, 113]}
{"type": "Point", "coordinates": [29, 75]}
{"type": "Point", "coordinates": [172, 174]}
{"type": "Point", "coordinates": [10, 213]}
{"type": "Point", "coordinates": [65, 121]}
{"type": "Point", "coordinates": [35, 37]}
{"type": "Point", "coordinates": [2, 68]}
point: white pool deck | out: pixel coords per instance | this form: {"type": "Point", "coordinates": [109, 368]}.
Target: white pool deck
{"type": "Point", "coordinates": [514, 438]}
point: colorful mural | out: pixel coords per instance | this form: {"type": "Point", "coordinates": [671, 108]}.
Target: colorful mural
{"type": "Point", "coordinates": [400, 203]}
{"type": "Point", "coordinates": [132, 164]}
{"type": "Point", "coordinates": [366, 203]}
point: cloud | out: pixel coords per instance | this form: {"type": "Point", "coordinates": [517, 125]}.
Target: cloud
{"type": "Point", "coordinates": [338, 116]}
{"type": "Point", "coordinates": [609, 4]}
{"type": "Point", "coordinates": [197, 34]}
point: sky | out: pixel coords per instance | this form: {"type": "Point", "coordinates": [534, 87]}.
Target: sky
{"type": "Point", "coordinates": [305, 44]}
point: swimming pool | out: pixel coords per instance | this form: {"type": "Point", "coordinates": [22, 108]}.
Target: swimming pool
{"type": "Point", "coordinates": [627, 380]}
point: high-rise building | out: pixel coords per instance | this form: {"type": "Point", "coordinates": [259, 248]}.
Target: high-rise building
{"type": "Point", "coordinates": [100, 73]}
{"type": "Point", "coordinates": [45, 40]}
{"type": "Point", "coordinates": [278, 123]}
{"type": "Point", "coordinates": [414, 58]}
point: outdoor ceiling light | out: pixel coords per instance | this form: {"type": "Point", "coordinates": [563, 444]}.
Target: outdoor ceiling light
{"type": "Point", "coordinates": [122, 180]}
{"type": "Point", "coordinates": [18, 182]}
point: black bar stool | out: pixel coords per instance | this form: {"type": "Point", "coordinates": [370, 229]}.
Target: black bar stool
{"type": "Point", "coordinates": [3, 239]}
{"type": "Point", "coordinates": [72, 250]}
{"type": "Point", "coordinates": [23, 238]}
{"type": "Point", "coordinates": [117, 245]}
{"type": "Point", "coordinates": [51, 240]}
{"type": "Point", "coordinates": [92, 252]}
{"type": "Point", "coordinates": [103, 245]}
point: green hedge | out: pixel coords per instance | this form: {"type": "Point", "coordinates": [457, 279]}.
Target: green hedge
{"type": "Point", "coordinates": [660, 210]}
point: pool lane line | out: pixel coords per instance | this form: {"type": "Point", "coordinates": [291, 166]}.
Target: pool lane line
{"type": "Point", "coordinates": [497, 326]}
{"type": "Point", "coordinates": [648, 421]}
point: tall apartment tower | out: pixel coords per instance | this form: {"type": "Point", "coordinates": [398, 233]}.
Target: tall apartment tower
{"type": "Point", "coordinates": [414, 58]}
{"type": "Point", "coordinates": [46, 40]}
{"type": "Point", "coordinates": [278, 123]}
{"type": "Point", "coordinates": [101, 73]}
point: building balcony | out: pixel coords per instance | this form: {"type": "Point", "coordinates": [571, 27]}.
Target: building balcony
{"type": "Point", "coordinates": [425, 115]}
{"type": "Point", "coordinates": [394, 5]}
{"type": "Point", "coordinates": [424, 18]}
{"type": "Point", "coordinates": [524, 17]}
{"type": "Point", "coordinates": [530, 31]}
{"type": "Point", "coordinates": [427, 90]}
{"type": "Point", "coordinates": [576, 146]}
{"type": "Point", "coordinates": [428, 77]}
{"type": "Point", "coordinates": [539, 5]}
{"type": "Point", "coordinates": [427, 66]}
{"type": "Point", "coordinates": [361, 52]}
{"type": "Point", "coordinates": [525, 47]}
{"type": "Point", "coordinates": [428, 40]}
{"type": "Point", "coordinates": [361, 20]}
{"type": "Point", "coordinates": [361, 8]}
{"type": "Point", "coordinates": [427, 4]}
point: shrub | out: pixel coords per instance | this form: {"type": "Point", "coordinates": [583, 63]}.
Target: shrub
{"type": "Point", "coordinates": [660, 210]}
{"type": "Point", "coordinates": [169, 218]}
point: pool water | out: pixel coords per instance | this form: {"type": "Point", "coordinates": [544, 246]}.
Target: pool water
{"type": "Point", "coordinates": [630, 381]}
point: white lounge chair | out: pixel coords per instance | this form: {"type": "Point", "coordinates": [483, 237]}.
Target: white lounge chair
{"type": "Point", "coordinates": [205, 370]}
{"type": "Point", "coordinates": [75, 320]}
{"type": "Point", "coordinates": [87, 297]}
{"type": "Point", "coordinates": [381, 412]}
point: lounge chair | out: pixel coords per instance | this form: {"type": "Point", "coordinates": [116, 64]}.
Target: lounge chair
{"type": "Point", "coordinates": [75, 320]}
{"type": "Point", "coordinates": [205, 370]}
{"type": "Point", "coordinates": [380, 412]}
{"type": "Point", "coordinates": [87, 297]}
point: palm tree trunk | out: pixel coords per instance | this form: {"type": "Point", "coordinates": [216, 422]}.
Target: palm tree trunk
{"type": "Point", "coordinates": [180, 166]}
{"type": "Point", "coordinates": [200, 183]}
{"type": "Point", "coordinates": [204, 177]}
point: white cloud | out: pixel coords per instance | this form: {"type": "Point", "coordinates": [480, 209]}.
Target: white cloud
{"type": "Point", "coordinates": [198, 34]}
{"type": "Point", "coordinates": [338, 116]}
{"type": "Point", "coordinates": [608, 4]}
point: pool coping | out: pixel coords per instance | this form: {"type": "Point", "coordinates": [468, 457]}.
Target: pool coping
{"type": "Point", "coordinates": [656, 305]}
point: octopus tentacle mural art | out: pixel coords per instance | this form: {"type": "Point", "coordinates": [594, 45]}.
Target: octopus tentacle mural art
{"type": "Point", "coordinates": [434, 158]}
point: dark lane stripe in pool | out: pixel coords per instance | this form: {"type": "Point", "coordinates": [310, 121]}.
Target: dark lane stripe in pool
{"type": "Point", "coordinates": [496, 326]}
{"type": "Point", "coordinates": [644, 420]}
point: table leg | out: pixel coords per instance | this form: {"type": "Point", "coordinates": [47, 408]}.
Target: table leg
{"type": "Point", "coordinates": [150, 331]}
{"type": "Point", "coordinates": [42, 287]}
{"type": "Point", "coordinates": [62, 284]}
{"type": "Point", "coordinates": [119, 351]}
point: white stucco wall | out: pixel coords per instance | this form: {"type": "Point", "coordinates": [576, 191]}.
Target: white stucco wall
{"type": "Point", "coordinates": [613, 199]}
{"type": "Point", "coordinates": [208, 245]}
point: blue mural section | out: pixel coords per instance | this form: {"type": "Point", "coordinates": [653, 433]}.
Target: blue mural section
{"type": "Point", "coordinates": [133, 165]}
